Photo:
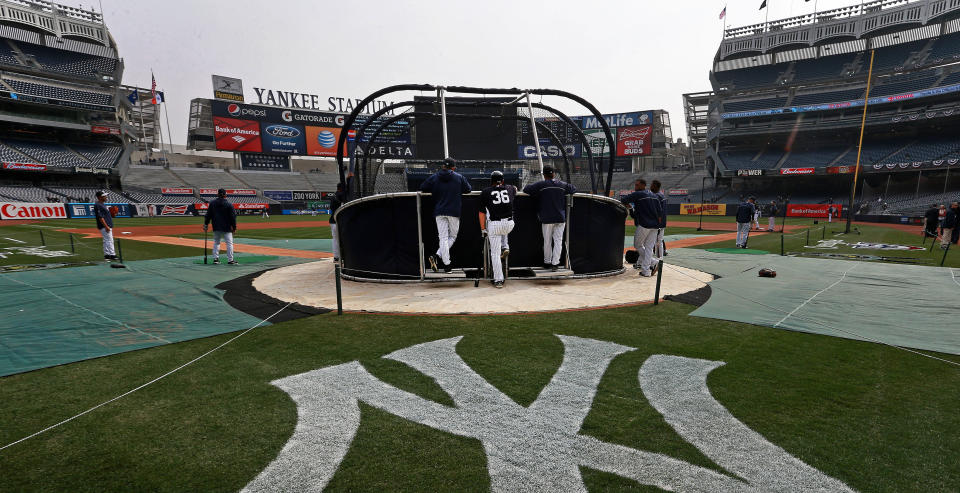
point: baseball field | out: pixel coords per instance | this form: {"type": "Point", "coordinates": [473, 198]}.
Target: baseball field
{"type": "Point", "coordinates": [148, 379]}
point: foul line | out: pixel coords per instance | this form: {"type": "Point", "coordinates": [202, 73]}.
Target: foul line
{"type": "Point", "coordinates": [171, 372]}
{"type": "Point", "coordinates": [808, 300]}
{"type": "Point", "coordinates": [11, 239]}
{"type": "Point", "coordinates": [88, 310]}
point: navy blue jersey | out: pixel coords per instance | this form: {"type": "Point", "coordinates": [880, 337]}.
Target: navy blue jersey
{"type": "Point", "coordinates": [221, 214]}
{"type": "Point", "coordinates": [498, 201]}
{"type": "Point", "coordinates": [745, 212]}
{"type": "Point", "coordinates": [551, 198]}
{"type": "Point", "coordinates": [647, 208]}
{"type": "Point", "coordinates": [100, 211]}
{"type": "Point", "coordinates": [447, 187]}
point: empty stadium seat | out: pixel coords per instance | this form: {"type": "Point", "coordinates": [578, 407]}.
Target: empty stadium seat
{"type": "Point", "coordinates": [100, 156]}
{"type": "Point", "coordinates": [827, 97]}
{"type": "Point", "coordinates": [56, 92]}
{"type": "Point", "coordinates": [49, 153]}
{"type": "Point", "coordinates": [69, 62]}
{"type": "Point", "coordinates": [755, 104]}
{"type": "Point", "coordinates": [902, 83]}
{"type": "Point", "coordinates": [750, 77]}
{"type": "Point", "coordinates": [945, 48]}
{"type": "Point", "coordinates": [821, 68]}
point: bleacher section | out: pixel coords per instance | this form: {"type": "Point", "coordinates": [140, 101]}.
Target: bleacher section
{"type": "Point", "coordinates": [11, 155]}
{"type": "Point", "coordinates": [55, 92]}
{"type": "Point", "coordinates": [7, 55]}
{"type": "Point", "coordinates": [891, 57]}
{"type": "Point", "coordinates": [902, 83]}
{"type": "Point", "coordinates": [945, 48]}
{"type": "Point", "coordinates": [48, 153]}
{"type": "Point", "coordinates": [872, 152]}
{"type": "Point", "coordinates": [99, 156]}
{"type": "Point", "coordinates": [323, 182]}
{"type": "Point", "coordinates": [150, 178]}
{"type": "Point", "coordinates": [68, 62]}
{"type": "Point", "coordinates": [814, 157]}
{"type": "Point", "coordinates": [28, 194]}
{"type": "Point", "coordinates": [926, 149]}
{"type": "Point", "coordinates": [157, 198]}
{"type": "Point", "coordinates": [827, 97]}
{"type": "Point", "coordinates": [85, 194]}
{"type": "Point", "coordinates": [750, 77]}
{"type": "Point", "coordinates": [207, 178]}
{"type": "Point", "coordinates": [756, 104]}
{"type": "Point", "coordinates": [821, 68]}
{"type": "Point", "coordinates": [271, 180]}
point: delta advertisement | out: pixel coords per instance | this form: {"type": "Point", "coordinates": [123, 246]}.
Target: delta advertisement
{"type": "Point", "coordinates": [708, 209]}
{"type": "Point", "coordinates": [85, 210]}
{"type": "Point", "coordinates": [813, 210]}
{"type": "Point", "coordinates": [29, 210]}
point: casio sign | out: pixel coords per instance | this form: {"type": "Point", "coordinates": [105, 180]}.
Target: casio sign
{"type": "Point", "coordinates": [548, 151]}
{"type": "Point", "coordinates": [282, 131]}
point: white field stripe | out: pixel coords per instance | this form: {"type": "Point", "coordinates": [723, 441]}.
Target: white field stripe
{"type": "Point", "coordinates": [11, 239]}
{"type": "Point", "coordinates": [161, 377]}
{"type": "Point", "coordinates": [55, 295]}
{"type": "Point", "coordinates": [808, 300]}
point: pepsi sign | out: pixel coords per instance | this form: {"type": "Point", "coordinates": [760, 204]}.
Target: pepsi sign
{"type": "Point", "coordinates": [283, 139]}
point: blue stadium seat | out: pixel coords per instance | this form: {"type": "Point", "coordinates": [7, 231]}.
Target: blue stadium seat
{"type": "Point", "coordinates": [827, 97]}
{"type": "Point", "coordinates": [750, 77]}
{"type": "Point", "coordinates": [828, 67]}
{"type": "Point", "coordinates": [69, 62]}
{"type": "Point", "coordinates": [902, 83]}
{"type": "Point", "coordinates": [945, 48]}
{"type": "Point", "coordinates": [756, 104]}
{"type": "Point", "coordinates": [891, 57]}
{"type": "Point", "coordinates": [55, 92]}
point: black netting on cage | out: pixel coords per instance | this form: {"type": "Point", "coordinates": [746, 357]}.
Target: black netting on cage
{"type": "Point", "coordinates": [385, 152]}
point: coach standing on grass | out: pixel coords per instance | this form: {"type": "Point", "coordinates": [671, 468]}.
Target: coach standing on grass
{"type": "Point", "coordinates": [744, 217]}
{"type": "Point", "coordinates": [447, 187]}
{"type": "Point", "coordinates": [220, 212]}
{"type": "Point", "coordinates": [104, 224]}
{"type": "Point", "coordinates": [551, 196]}
{"type": "Point", "coordinates": [772, 215]}
{"type": "Point", "coordinates": [646, 211]}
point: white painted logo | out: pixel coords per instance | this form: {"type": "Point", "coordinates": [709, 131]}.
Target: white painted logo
{"type": "Point", "coordinates": [537, 448]}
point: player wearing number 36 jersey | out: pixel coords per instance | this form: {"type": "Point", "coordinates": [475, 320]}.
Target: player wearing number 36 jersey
{"type": "Point", "coordinates": [496, 221]}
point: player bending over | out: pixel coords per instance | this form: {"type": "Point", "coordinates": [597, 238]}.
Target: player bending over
{"type": "Point", "coordinates": [447, 187]}
{"type": "Point", "coordinates": [496, 221]}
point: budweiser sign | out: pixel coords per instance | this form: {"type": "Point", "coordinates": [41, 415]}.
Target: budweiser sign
{"type": "Point", "coordinates": [797, 171]}
{"type": "Point", "coordinates": [21, 210]}
{"type": "Point", "coordinates": [25, 166]}
{"type": "Point", "coordinates": [177, 191]}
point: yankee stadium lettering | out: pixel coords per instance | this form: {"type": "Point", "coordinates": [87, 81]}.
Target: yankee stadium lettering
{"type": "Point", "coordinates": [538, 447]}
{"type": "Point", "coordinates": [290, 99]}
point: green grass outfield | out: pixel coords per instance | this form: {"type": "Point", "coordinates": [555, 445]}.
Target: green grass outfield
{"type": "Point", "coordinates": [877, 418]}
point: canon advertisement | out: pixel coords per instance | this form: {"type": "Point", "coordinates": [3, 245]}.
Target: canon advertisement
{"type": "Point", "coordinates": [23, 210]}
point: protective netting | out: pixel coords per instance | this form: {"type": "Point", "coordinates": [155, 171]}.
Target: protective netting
{"type": "Point", "coordinates": [398, 146]}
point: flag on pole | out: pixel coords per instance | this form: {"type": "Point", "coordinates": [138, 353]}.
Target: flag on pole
{"type": "Point", "coordinates": [723, 13]}
{"type": "Point", "coordinates": [763, 5]}
{"type": "Point", "coordinates": [157, 97]}
{"type": "Point", "coordinates": [133, 97]}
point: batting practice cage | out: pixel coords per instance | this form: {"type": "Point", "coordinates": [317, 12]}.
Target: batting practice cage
{"type": "Point", "coordinates": [387, 228]}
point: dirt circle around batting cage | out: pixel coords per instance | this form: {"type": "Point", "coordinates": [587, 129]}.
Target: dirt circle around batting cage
{"type": "Point", "coordinates": [312, 284]}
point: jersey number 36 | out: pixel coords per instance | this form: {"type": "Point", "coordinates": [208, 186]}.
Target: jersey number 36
{"type": "Point", "coordinates": [500, 197]}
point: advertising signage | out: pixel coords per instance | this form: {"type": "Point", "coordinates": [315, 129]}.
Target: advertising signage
{"type": "Point", "coordinates": [634, 141]}
{"type": "Point", "coordinates": [548, 151]}
{"type": "Point", "coordinates": [264, 162]}
{"type": "Point", "coordinates": [280, 138]}
{"type": "Point", "coordinates": [618, 120]}
{"type": "Point", "coordinates": [231, 134]}
{"type": "Point", "coordinates": [598, 141]}
{"type": "Point", "coordinates": [271, 114]}
{"type": "Point", "coordinates": [322, 141]}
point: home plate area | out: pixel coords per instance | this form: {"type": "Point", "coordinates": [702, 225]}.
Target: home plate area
{"type": "Point", "coordinates": [311, 284]}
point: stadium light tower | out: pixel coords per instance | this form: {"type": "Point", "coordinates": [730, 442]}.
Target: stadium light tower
{"type": "Point", "coordinates": [856, 170]}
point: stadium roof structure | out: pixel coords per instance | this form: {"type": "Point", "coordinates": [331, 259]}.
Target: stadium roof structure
{"type": "Point", "coordinates": [806, 36]}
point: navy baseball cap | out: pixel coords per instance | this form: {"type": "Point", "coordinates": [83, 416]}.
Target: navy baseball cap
{"type": "Point", "coordinates": [221, 191]}
{"type": "Point", "coordinates": [548, 170]}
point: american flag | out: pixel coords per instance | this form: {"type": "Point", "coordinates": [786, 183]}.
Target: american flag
{"type": "Point", "coordinates": [156, 97]}
{"type": "Point", "coordinates": [723, 13]}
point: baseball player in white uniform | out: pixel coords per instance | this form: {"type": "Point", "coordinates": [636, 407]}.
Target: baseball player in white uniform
{"type": "Point", "coordinates": [496, 221]}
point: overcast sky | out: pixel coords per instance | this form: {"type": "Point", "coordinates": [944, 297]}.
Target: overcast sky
{"type": "Point", "coordinates": [620, 55]}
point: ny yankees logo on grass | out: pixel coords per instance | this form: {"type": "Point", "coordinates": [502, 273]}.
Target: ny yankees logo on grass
{"type": "Point", "coordinates": [537, 448]}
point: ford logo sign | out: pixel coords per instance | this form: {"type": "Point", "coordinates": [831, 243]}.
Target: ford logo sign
{"type": "Point", "coordinates": [282, 131]}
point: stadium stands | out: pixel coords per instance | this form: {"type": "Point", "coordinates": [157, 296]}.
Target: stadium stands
{"type": "Point", "coordinates": [7, 55]}
{"type": "Point", "coordinates": [323, 182]}
{"type": "Point", "coordinates": [821, 68]}
{"type": "Point", "coordinates": [68, 62]}
{"type": "Point", "coordinates": [84, 194]}
{"type": "Point", "coordinates": [48, 153]}
{"type": "Point", "coordinates": [892, 57]}
{"type": "Point", "coordinates": [945, 48]}
{"type": "Point", "coordinates": [56, 92]}
{"type": "Point", "coordinates": [12, 155]}
{"type": "Point", "coordinates": [157, 198]}
{"type": "Point", "coordinates": [756, 104]}
{"type": "Point", "coordinates": [902, 83]}
{"type": "Point", "coordinates": [273, 180]}
{"type": "Point", "coordinates": [100, 156]}
{"type": "Point", "coordinates": [28, 193]}
{"type": "Point", "coordinates": [207, 178]}
{"type": "Point", "coordinates": [150, 178]}
{"type": "Point", "coordinates": [750, 77]}
{"type": "Point", "coordinates": [815, 156]}
{"type": "Point", "coordinates": [827, 97]}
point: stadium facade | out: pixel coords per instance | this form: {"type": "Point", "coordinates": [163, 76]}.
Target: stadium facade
{"type": "Point", "coordinates": [788, 99]}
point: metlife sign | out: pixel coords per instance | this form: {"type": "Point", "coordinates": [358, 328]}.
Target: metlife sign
{"type": "Point", "coordinates": [618, 120]}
